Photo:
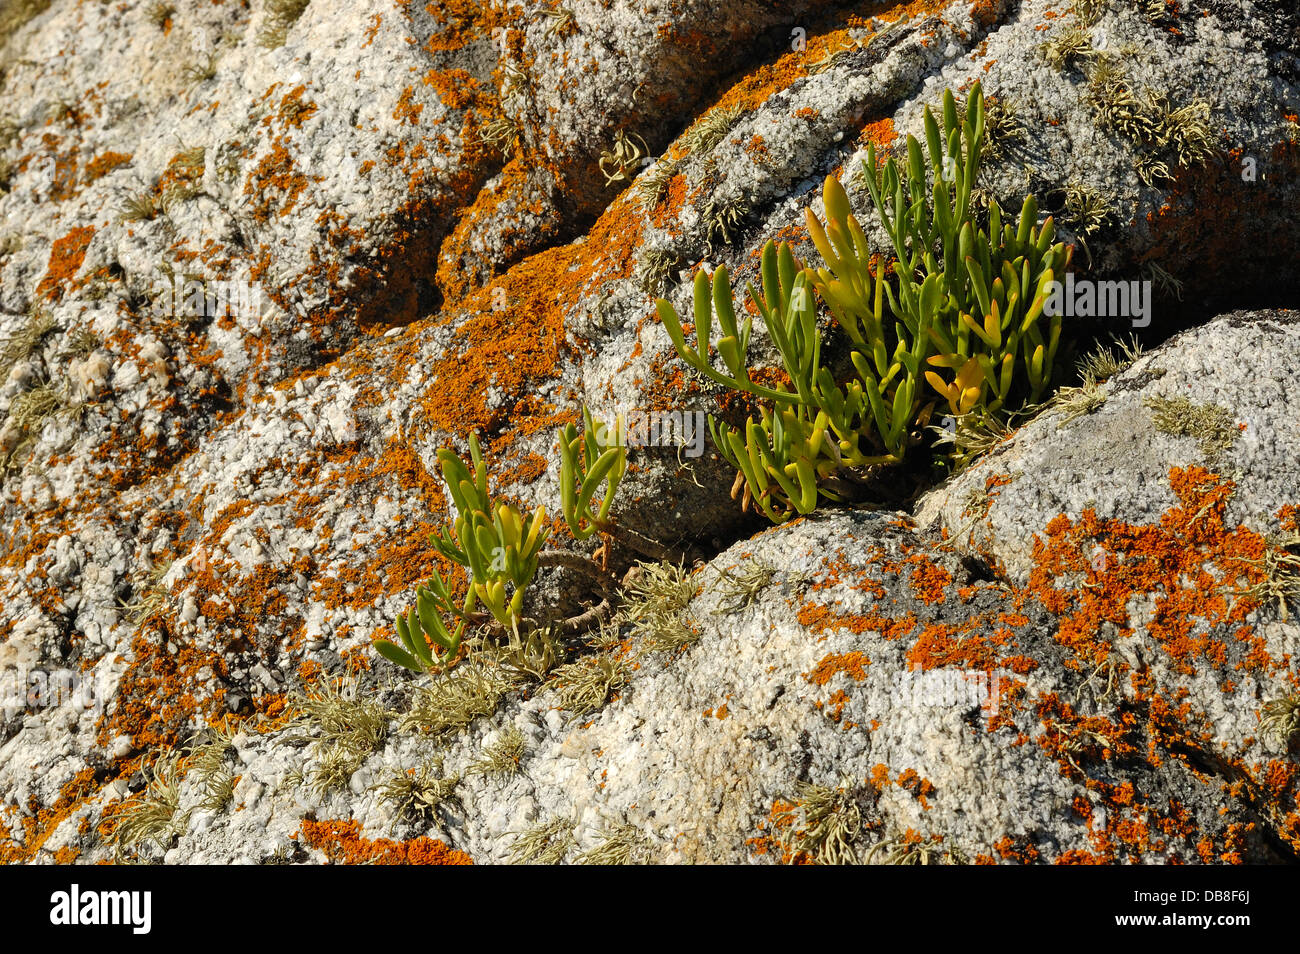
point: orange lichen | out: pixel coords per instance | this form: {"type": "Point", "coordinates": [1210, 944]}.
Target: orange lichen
{"type": "Point", "coordinates": [66, 256]}
{"type": "Point", "coordinates": [342, 843]}
{"type": "Point", "coordinates": [41, 823]}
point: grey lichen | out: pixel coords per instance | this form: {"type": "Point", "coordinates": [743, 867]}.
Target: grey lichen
{"type": "Point", "coordinates": [280, 16]}
{"type": "Point", "coordinates": [418, 793]}
{"type": "Point", "coordinates": [545, 844]}
{"type": "Point", "coordinates": [826, 826]}
{"type": "Point", "coordinates": [454, 700]}
{"type": "Point", "coordinates": [585, 685]}
{"type": "Point", "coordinates": [1212, 426]}
{"type": "Point", "coordinates": [345, 730]}
{"type": "Point", "coordinates": [504, 756]}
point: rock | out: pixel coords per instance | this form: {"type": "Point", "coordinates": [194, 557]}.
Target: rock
{"type": "Point", "coordinates": [255, 274]}
{"type": "Point", "coordinates": [1206, 399]}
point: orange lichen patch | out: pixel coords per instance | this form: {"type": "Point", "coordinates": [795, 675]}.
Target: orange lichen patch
{"type": "Point", "coordinates": [667, 213]}
{"type": "Point", "coordinates": [929, 580]}
{"type": "Point", "coordinates": [1012, 849]}
{"type": "Point", "coordinates": [852, 664]}
{"type": "Point", "coordinates": [1070, 738]}
{"type": "Point", "coordinates": [276, 184]}
{"type": "Point", "coordinates": [757, 148]}
{"type": "Point", "coordinates": [509, 351]}
{"type": "Point", "coordinates": [407, 111]}
{"type": "Point", "coordinates": [942, 644]}
{"type": "Point", "coordinates": [293, 112]}
{"type": "Point", "coordinates": [342, 843]}
{"type": "Point", "coordinates": [776, 831]}
{"type": "Point", "coordinates": [1191, 563]}
{"type": "Point", "coordinates": [819, 619]}
{"type": "Point", "coordinates": [168, 689]}
{"type": "Point", "coordinates": [41, 823]}
{"type": "Point", "coordinates": [760, 84]}
{"type": "Point", "coordinates": [456, 88]}
{"type": "Point", "coordinates": [460, 22]}
{"type": "Point", "coordinates": [527, 471]}
{"type": "Point", "coordinates": [881, 133]}
{"type": "Point", "coordinates": [105, 163]}
{"type": "Point", "coordinates": [66, 256]}
{"type": "Point", "coordinates": [181, 172]}
{"type": "Point", "coordinates": [520, 221]}
{"type": "Point", "coordinates": [921, 788]}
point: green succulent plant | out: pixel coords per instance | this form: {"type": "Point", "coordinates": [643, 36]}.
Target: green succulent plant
{"type": "Point", "coordinates": [596, 456]}
{"type": "Point", "coordinates": [497, 543]}
{"type": "Point", "coordinates": [961, 299]}
{"type": "Point", "coordinates": [501, 546]}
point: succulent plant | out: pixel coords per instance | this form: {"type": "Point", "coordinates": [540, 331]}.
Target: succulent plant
{"type": "Point", "coordinates": [963, 300]}
{"type": "Point", "coordinates": [497, 543]}
{"type": "Point", "coordinates": [502, 546]}
{"type": "Point", "coordinates": [603, 459]}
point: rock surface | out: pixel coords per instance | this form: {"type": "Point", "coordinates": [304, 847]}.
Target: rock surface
{"type": "Point", "coordinates": [439, 220]}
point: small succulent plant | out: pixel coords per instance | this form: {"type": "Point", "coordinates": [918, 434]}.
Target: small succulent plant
{"type": "Point", "coordinates": [586, 461]}
{"type": "Point", "coordinates": [492, 539]}
{"type": "Point", "coordinates": [966, 317]}
{"type": "Point", "coordinates": [501, 546]}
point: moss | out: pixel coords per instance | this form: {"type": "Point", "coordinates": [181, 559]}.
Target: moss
{"type": "Point", "coordinates": [656, 268]}
{"type": "Point", "coordinates": [455, 699]}
{"type": "Point", "coordinates": [200, 70]}
{"type": "Point", "coordinates": [821, 826]}
{"type": "Point", "coordinates": [153, 817]}
{"type": "Point", "coordinates": [710, 129]}
{"type": "Point", "coordinates": [739, 586]}
{"type": "Point", "coordinates": [906, 849]}
{"type": "Point", "coordinates": [1280, 721]}
{"type": "Point", "coordinates": [1104, 363]}
{"type": "Point", "coordinates": [1071, 403]}
{"type": "Point", "coordinates": [1068, 48]}
{"type": "Point", "coordinates": [160, 14]}
{"type": "Point", "coordinates": [151, 598]}
{"type": "Point", "coordinates": [1004, 131]}
{"type": "Point", "coordinates": [1087, 211]}
{"type": "Point", "coordinates": [563, 22]}
{"type": "Point", "coordinates": [504, 756]}
{"type": "Point", "coordinates": [345, 731]}
{"type": "Point", "coordinates": [653, 185]}
{"type": "Point", "coordinates": [723, 218]}
{"type": "Point", "coordinates": [208, 771]}
{"type": "Point", "coordinates": [654, 603]}
{"type": "Point", "coordinates": [1212, 426]}
{"type": "Point", "coordinates": [22, 345]}
{"type": "Point", "coordinates": [623, 159]}
{"type": "Point", "coordinates": [142, 207]}
{"type": "Point", "coordinates": [500, 133]}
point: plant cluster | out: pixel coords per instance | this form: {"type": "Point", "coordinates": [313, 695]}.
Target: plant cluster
{"type": "Point", "coordinates": [957, 317]}
{"type": "Point", "coordinates": [501, 547]}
